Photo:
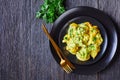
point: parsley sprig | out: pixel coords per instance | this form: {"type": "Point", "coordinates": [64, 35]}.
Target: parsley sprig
{"type": "Point", "coordinates": [50, 10]}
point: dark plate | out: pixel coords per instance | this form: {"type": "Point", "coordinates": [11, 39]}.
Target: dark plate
{"type": "Point", "coordinates": [99, 17]}
{"type": "Point", "coordinates": [79, 20]}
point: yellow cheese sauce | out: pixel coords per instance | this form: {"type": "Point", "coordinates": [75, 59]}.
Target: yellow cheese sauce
{"type": "Point", "coordinates": [83, 40]}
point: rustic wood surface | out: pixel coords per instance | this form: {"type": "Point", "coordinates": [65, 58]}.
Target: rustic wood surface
{"type": "Point", "coordinates": [24, 49]}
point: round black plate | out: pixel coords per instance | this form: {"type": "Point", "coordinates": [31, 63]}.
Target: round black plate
{"type": "Point", "coordinates": [79, 20]}
{"type": "Point", "coordinates": [109, 27]}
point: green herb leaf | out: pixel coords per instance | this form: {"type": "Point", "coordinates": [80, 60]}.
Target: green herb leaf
{"type": "Point", "coordinates": [50, 10]}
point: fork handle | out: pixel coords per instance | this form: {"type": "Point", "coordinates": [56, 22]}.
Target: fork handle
{"type": "Point", "coordinates": [52, 41]}
{"type": "Point", "coordinates": [58, 50]}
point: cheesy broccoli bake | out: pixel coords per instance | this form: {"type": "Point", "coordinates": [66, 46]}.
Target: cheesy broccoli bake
{"type": "Point", "coordinates": [83, 40]}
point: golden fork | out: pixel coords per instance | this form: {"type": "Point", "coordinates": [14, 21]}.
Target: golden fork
{"type": "Point", "coordinates": [65, 63]}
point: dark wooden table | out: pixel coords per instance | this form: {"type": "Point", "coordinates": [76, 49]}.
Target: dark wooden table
{"type": "Point", "coordinates": [24, 49]}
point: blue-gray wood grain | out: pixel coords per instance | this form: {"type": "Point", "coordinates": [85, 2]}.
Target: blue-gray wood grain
{"type": "Point", "coordinates": [24, 49]}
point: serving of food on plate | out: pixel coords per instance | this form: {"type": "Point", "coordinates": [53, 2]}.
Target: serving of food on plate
{"type": "Point", "coordinates": [87, 38]}
{"type": "Point", "coordinates": [83, 40]}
